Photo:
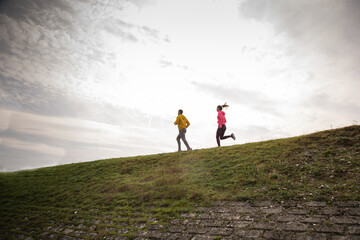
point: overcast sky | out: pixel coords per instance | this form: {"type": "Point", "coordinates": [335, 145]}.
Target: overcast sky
{"type": "Point", "coordinates": [86, 80]}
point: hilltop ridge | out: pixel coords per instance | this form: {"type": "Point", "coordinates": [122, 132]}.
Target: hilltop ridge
{"type": "Point", "coordinates": [323, 166]}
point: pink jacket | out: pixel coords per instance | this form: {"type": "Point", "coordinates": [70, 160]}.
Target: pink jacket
{"type": "Point", "coordinates": [221, 118]}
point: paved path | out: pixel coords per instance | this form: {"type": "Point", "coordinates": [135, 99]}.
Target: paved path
{"type": "Point", "coordinates": [264, 220]}
{"type": "Point", "coordinates": [225, 220]}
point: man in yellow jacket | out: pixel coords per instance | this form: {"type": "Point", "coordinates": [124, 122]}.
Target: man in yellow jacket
{"type": "Point", "coordinates": [183, 124]}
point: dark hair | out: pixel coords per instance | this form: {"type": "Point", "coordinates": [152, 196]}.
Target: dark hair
{"type": "Point", "coordinates": [225, 105]}
{"type": "Point", "coordinates": [180, 111]}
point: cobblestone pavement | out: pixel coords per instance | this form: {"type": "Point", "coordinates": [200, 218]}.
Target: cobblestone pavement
{"type": "Point", "coordinates": [264, 220]}
{"type": "Point", "coordinates": [228, 220]}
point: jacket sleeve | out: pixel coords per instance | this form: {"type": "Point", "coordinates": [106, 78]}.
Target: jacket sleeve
{"type": "Point", "coordinates": [220, 119]}
{"type": "Point", "coordinates": [187, 123]}
{"type": "Point", "coordinates": [177, 120]}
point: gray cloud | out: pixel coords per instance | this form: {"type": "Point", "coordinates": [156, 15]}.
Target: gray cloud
{"type": "Point", "coordinates": [250, 99]}
{"type": "Point", "coordinates": [29, 140]}
{"type": "Point", "coordinates": [164, 63]}
{"type": "Point", "coordinates": [323, 41]}
{"type": "Point", "coordinates": [151, 32]}
{"type": "Point", "coordinates": [325, 26]}
{"type": "Point", "coordinates": [325, 103]}
{"type": "Point", "coordinates": [260, 133]}
{"type": "Point", "coordinates": [4, 47]}
{"type": "Point", "coordinates": [117, 27]}
{"type": "Point", "coordinates": [15, 159]}
{"type": "Point", "coordinates": [28, 8]}
{"type": "Point", "coordinates": [69, 146]}
{"type": "Point", "coordinates": [48, 101]}
{"type": "Point", "coordinates": [37, 37]}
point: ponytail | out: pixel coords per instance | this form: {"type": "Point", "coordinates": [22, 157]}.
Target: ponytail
{"type": "Point", "coordinates": [225, 105]}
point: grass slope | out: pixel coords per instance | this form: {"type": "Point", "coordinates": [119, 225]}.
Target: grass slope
{"type": "Point", "coordinates": [320, 166]}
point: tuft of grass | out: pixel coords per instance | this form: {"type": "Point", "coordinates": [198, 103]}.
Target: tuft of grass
{"type": "Point", "coordinates": [320, 166]}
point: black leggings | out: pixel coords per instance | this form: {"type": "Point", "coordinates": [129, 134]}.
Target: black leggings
{"type": "Point", "coordinates": [220, 134]}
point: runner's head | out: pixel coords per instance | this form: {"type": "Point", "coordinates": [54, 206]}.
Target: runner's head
{"type": "Point", "coordinates": [220, 107]}
{"type": "Point", "coordinates": [180, 111]}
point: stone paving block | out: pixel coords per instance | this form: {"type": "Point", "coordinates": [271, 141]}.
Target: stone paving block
{"type": "Point", "coordinates": [142, 234]}
{"type": "Point", "coordinates": [340, 238]}
{"type": "Point", "coordinates": [188, 215]}
{"type": "Point", "coordinates": [279, 235]}
{"type": "Point", "coordinates": [121, 238]}
{"type": "Point", "coordinates": [329, 229]}
{"type": "Point", "coordinates": [354, 238]}
{"type": "Point", "coordinates": [260, 217]}
{"type": "Point", "coordinates": [310, 236]}
{"type": "Point", "coordinates": [328, 211]}
{"type": "Point", "coordinates": [212, 223]}
{"type": "Point", "coordinates": [354, 211]}
{"type": "Point", "coordinates": [198, 230]}
{"type": "Point", "coordinates": [315, 204]}
{"type": "Point", "coordinates": [202, 237]}
{"type": "Point", "coordinates": [221, 231]}
{"type": "Point", "coordinates": [345, 238]}
{"type": "Point", "coordinates": [349, 204]}
{"type": "Point", "coordinates": [206, 216]}
{"type": "Point", "coordinates": [230, 216]}
{"type": "Point", "coordinates": [289, 204]}
{"type": "Point", "coordinates": [155, 227]}
{"type": "Point", "coordinates": [249, 234]}
{"type": "Point", "coordinates": [355, 230]}
{"type": "Point", "coordinates": [271, 234]}
{"type": "Point", "coordinates": [298, 211]}
{"type": "Point", "coordinates": [249, 218]}
{"type": "Point", "coordinates": [194, 222]}
{"type": "Point", "coordinates": [176, 229]}
{"type": "Point", "coordinates": [158, 235]}
{"type": "Point", "coordinates": [172, 236]}
{"type": "Point", "coordinates": [175, 221]}
{"type": "Point", "coordinates": [263, 204]}
{"type": "Point", "coordinates": [294, 227]}
{"type": "Point", "coordinates": [246, 210]}
{"type": "Point", "coordinates": [312, 219]}
{"type": "Point", "coordinates": [220, 209]}
{"type": "Point", "coordinates": [285, 218]}
{"type": "Point", "coordinates": [237, 224]}
{"type": "Point", "coordinates": [271, 210]}
{"type": "Point", "coordinates": [122, 230]}
{"type": "Point", "coordinates": [183, 237]}
{"type": "Point", "coordinates": [67, 231]}
{"type": "Point", "coordinates": [229, 209]}
{"type": "Point", "coordinates": [347, 220]}
{"type": "Point", "coordinates": [264, 225]}
{"type": "Point", "coordinates": [106, 229]}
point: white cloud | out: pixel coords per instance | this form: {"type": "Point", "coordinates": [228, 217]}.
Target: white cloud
{"type": "Point", "coordinates": [32, 147]}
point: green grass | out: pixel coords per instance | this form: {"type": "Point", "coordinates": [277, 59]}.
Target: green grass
{"type": "Point", "coordinates": [131, 191]}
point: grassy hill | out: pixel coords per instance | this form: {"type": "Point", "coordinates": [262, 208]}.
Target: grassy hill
{"type": "Point", "coordinates": [320, 166]}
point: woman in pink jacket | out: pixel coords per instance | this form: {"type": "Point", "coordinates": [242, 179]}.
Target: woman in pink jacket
{"type": "Point", "coordinates": [221, 125]}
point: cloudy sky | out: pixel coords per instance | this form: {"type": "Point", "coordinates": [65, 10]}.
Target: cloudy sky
{"type": "Point", "coordinates": [85, 80]}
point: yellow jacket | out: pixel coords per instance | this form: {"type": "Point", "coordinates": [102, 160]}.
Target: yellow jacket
{"type": "Point", "coordinates": [182, 122]}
